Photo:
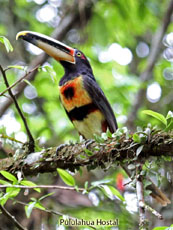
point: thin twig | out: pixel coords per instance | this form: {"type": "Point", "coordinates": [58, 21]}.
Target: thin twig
{"type": "Point", "coordinates": [142, 218]}
{"type": "Point", "coordinates": [53, 212]}
{"type": "Point", "coordinates": [42, 186]}
{"type": "Point", "coordinates": [31, 139]}
{"type": "Point", "coordinates": [143, 222]}
{"type": "Point", "coordinates": [4, 136]}
{"type": "Point", "coordinates": [18, 81]}
{"type": "Point", "coordinates": [142, 203]}
{"type": "Point", "coordinates": [154, 212]}
{"type": "Point", "coordinates": [12, 218]}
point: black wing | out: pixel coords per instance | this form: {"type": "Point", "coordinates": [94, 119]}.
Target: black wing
{"type": "Point", "coordinates": [101, 102]}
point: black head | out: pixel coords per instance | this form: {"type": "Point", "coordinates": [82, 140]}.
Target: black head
{"type": "Point", "coordinates": [81, 64]}
{"type": "Point", "coordinates": [73, 60]}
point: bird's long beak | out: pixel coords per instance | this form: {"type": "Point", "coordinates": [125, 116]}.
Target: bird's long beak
{"type": "Point", "coordinates": [52, 47]}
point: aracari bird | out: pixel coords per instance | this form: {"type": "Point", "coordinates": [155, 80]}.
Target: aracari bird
{"type": "Point", "coordinates": [82, 98]}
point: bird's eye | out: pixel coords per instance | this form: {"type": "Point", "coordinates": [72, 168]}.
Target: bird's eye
{"type": "Point", "coordinates": [78, 54]}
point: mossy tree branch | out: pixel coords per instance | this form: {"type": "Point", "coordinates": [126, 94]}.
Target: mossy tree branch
{"type": "Point", "coordinates": [105, 154]}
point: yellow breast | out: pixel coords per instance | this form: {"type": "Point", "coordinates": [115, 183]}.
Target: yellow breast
{"type": "Point", "coordinates": [92, 124]}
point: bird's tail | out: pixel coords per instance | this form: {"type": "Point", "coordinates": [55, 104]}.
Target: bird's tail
{"type": "Point", "coordinates": [157, 194]}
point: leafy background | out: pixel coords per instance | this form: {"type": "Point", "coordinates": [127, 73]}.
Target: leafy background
{"type": "Point", "coordinates": [130, 24]}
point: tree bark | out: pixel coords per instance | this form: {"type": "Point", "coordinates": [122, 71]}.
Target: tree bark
{"type": "Point", "coordinates": [93, 154]}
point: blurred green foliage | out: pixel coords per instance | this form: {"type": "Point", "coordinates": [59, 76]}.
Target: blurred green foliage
{"type": "Point", "coordinates": [113, 21]}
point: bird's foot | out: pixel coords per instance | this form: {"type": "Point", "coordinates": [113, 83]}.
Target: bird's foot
{"type": "Point", "coordinates": [61, 146]}
{"type": "Point", "coordinates": [88, 142]}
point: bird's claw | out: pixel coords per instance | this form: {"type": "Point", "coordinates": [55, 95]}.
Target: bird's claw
{"type": "Point", "coordinates": [61, 146]}
{"type": "Point", "coordinates": [88, 142]}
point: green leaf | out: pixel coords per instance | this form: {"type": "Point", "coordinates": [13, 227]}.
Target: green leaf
{"type": "Point", "coordinates": [28, 82]}
{"type": "Point", "coordinates": [88, 152]}
{"type": "Point", "coordinates": [29, 208]}
{"type": "Point", "coordinates": [100, 182]}
{"type": "Point", "coordinates": [170, 228]}
{"type": "Point", "coordinates": [162, 228]}
{"type": "Point", "coordinates": [3, 199]}
{"type": "Point", "coordinates": [50, 71]}
{"type": "Point", "coordinates": [98, 139]}
{"type": "Point", "coordinates": [4, 182]}
{"type": "Point", "coordinates": [40, 206]}
{"type": "Point", "coordinates": [109, 134]}
{"type": "Point", "coordinates": [116, 193]}
{"type": "Point", "coordinates": [169, 115]}
{"type": "Point", "coordinates": [76, 188]}
{"type": "Point", "coordinates": [110, 192]}
{"type": "Point", "coordinates": [104, 136]}
{"type": "Point", "coordinates": [156, 115]}
{"type": "Point", "coordinates": [7, 43]}
{"type": "Point", "coordinates": [66, 177]}
{"type": "Point", "coordinates": [34, 204]}
{"type": "Point", "coordinates": [45, 196]}
{"type": "Point", "coordinates": [8, 176]}
{"type": "Point", "coordinates": [169, 126]}
{"type": "Point", "coordinates": [136, 138]}
{"type": "Point", "coordinates": [139, 150]}
{"type": "Point", "coordinates": [17, 67]}
{"type": "Point", "coordinates": [30, 183]}
{"type": "Point", "coordinates": [12, 192]}
{"type": "Point", "coordinates": [147, 182]}
{"type": "Point", "coordinates": [34, 199]}
{"type": "Point", "coordinates": [107, 191]}
{"type": "Point", "coordinates": [131, 166]}
{"type": "Point", "coordinates": [86, 185]}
